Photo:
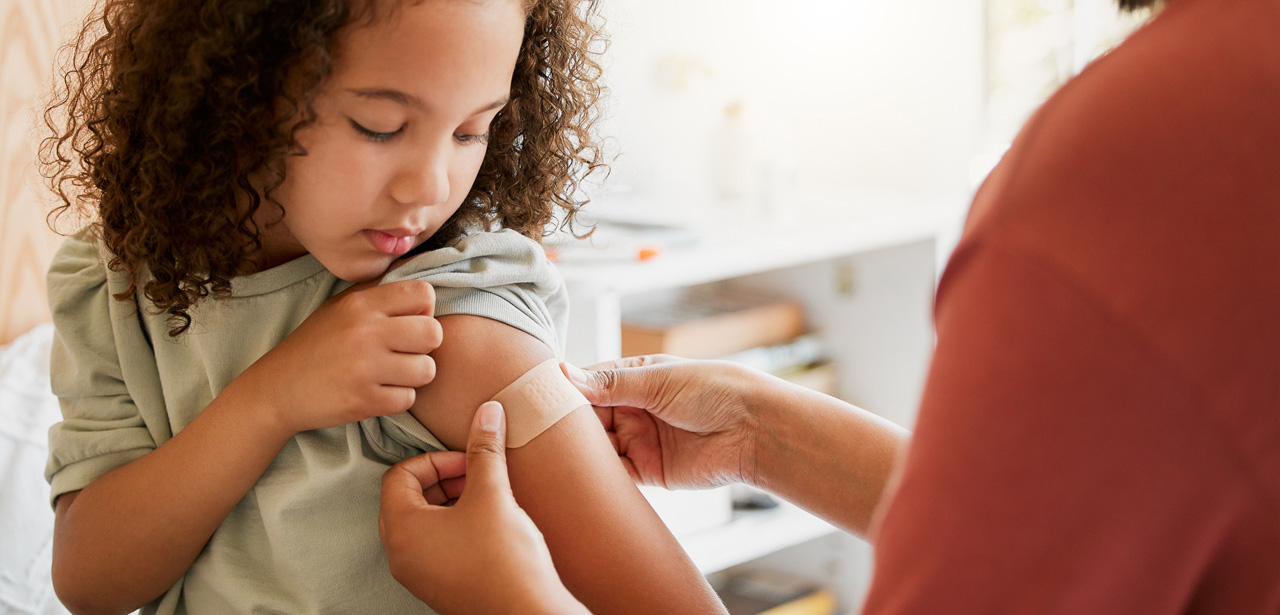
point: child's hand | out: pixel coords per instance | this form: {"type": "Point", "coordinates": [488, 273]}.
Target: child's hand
{"type": "Point", "coordinates": [360, 355]}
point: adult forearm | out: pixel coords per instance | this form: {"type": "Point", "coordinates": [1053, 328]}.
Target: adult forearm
{"type": "Point", "coordinates": [127, 537]}
{"type": "Point", "coordinates": [825, 455]}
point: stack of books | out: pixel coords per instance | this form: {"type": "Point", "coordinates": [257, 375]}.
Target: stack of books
{"type": "Point", "coordinates": [722, 321]}
{"type": "Point", "coordinates": [765, 592]}
{"type": "Point", "coordinates": [729, 322]}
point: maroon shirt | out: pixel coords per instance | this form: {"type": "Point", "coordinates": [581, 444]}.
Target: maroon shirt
{"type": "Point", "coordinates": [1100, 432]}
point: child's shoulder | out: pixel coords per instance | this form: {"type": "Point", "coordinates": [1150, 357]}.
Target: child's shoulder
{"type": "Point", "coordinates": [79, 266]}
{"type": "Point", "coordinates": [500, 275]}
{"type": "Point", "coordinates": [482, 259]}
{"type": "Point", "coordinates": [500, 244]}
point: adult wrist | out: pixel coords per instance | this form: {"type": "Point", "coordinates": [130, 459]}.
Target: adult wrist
{"type": "Point", "coordinates": [775, 415]}
{"type": "Point", "coordinates": [763, 401]}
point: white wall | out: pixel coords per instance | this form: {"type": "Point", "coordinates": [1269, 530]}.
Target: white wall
{"type": "Point", "coordinates": [871, 93]}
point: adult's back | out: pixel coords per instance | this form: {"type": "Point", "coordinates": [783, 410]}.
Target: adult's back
{"type": "Point", "coordinates": [1101, 428]}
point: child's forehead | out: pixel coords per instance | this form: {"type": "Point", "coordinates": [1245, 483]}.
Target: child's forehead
{"type": "Point", "coordinates": [434, 49]}
{"type": "Point", "coordinates": [372, 20]}
{"type": "Point", "coordinates": [365, 13]}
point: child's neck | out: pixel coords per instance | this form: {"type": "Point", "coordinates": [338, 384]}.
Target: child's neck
{"type": "Point", "coordinates": [278, 247]}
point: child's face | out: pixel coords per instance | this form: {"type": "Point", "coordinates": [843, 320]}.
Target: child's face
{"type": "Point", "coordinates": [400, 134]}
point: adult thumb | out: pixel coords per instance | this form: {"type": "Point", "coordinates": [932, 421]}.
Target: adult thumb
{"type": "Point", "coordinates": [619, 386]}
{"type": "Point", "coordinates": [487, 452]}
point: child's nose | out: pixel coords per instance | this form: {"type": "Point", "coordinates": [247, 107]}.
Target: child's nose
{"type": "Point", "coordinates": [423, 181]}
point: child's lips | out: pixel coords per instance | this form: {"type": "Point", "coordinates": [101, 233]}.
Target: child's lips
{"type": "Point", "coordinates": [394, 244]}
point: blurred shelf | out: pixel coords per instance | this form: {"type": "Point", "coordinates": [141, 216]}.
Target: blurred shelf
{"type": "Point", "coordinates": [732, 245]}
{"type": "Point", "coordinates": [891, 245]}
{"type": "Point", "coordinates": [752, 534]}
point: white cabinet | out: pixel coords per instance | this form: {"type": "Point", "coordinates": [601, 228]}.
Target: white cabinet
{"type": "Point", "coordinates": [865, 266]}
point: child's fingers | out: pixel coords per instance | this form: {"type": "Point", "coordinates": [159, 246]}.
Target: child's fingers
{"type": "Point", "coordinates": [403, 298]}
{"type": "Point", "coordinates": [406, 369]}
{"type": "Point", "coordinates": [390, 399]}
{"type": "Point", "coordinates": [418, 334]}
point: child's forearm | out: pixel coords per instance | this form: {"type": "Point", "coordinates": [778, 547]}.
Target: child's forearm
{"type": "Point", "coordinates": [125, 539]}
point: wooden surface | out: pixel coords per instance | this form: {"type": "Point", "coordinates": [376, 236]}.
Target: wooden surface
{"type": "Point", "coordinates": [30, 32]}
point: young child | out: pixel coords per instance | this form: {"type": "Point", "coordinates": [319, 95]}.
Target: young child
{"type": "Point", "coordinates": [230, 400]}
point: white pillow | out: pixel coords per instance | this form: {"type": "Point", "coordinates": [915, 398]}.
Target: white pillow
{"type": "Point", "coordinates": [27, 409]}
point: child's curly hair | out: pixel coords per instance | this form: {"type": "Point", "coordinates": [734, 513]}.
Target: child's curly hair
{"type": "Point", "coordinates": [167, 111]}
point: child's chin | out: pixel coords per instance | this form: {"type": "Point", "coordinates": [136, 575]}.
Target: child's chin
{"type": "Point", "coordinates": [361, 272]}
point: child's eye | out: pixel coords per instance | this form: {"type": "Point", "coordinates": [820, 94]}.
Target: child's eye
{"type": "Point", "coordinates": [471, 139]}
{"type": "Point", "coordinates": [372, 135]}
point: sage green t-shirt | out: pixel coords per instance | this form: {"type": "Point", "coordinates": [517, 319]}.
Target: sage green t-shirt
{"type": "Point", "coordinates": [304, 539]}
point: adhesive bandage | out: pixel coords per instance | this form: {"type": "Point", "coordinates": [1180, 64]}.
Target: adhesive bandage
{"type": "Point", "coordinates": [536, 401]}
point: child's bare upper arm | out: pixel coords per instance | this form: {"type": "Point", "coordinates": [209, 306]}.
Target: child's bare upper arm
{"type": "Point", "coordinates": [476, 360]}
{"type": "Point", "coordinates": [609, 547]}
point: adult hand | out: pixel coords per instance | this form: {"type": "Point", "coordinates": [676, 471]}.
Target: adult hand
{"type": "Point", "coordinates": [359, 355]}
{"type": "Point", "coordinates": [482, 553]}
{"type": "Point", "coordinates": [675, 423]}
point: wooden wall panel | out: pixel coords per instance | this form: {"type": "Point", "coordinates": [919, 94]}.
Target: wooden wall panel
{"type": "Point", "coordinates": [30, 33]}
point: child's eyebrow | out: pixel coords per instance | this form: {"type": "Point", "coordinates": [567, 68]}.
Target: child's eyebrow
{"type": "Point", "coordinates": [409, 100]}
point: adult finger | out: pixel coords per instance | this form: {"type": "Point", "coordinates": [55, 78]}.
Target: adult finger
{"type": "Point", "coordinates": [606, 416]}
{"type": "Point", "coordinates": [636, 361]}
{"type": "Point", "coordinates": [638, 387]}
{"type": "Point", "coordinates": [487, 454]}
{"type": "Point", "coordinates": [447, 489]}
{"type": "Point", "coordinates": [453, 487]}
{"type": "Point", "coordinates": [404, 484]}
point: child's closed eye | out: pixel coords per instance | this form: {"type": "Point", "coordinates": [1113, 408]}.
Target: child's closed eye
{"type": "Point", "coordinates": [466, 139]}
{"type": "Point", "coordinates": [382, 137]}
{"type": "Point", "coordinates": [373, 135]}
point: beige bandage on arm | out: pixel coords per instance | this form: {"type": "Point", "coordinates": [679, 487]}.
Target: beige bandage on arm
{"type": "Point", "coordinates": [536, 401]}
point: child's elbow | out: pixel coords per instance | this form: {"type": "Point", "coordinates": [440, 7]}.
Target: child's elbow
{"type": "Point", "coordinates": [78, 596]}
{"type": "Point", "coordinates": [76, 587]}
{"type": "Point", "coordinates": [77, 601]}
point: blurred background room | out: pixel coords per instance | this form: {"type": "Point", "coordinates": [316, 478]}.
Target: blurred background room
{"type": "Point", "coordinates": [785, 174]}
{"type": "Point", "coordinates": [790, 173]}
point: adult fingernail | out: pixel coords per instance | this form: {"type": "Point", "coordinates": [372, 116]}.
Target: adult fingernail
{"type": "Point", "coordinates": [490, 416]}
{"type": "Point", "coordinates": [574, 374]}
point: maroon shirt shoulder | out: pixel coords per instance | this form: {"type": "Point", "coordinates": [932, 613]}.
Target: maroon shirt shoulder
{"type": "Point", "coordinates": [1100, 431]}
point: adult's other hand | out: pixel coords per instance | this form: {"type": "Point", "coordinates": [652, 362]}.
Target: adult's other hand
{"type": "Point", "coordinates": [455, 536]}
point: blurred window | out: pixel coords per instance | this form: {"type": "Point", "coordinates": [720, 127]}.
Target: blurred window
{"type": "Point", "coordinates": [1032, 48]}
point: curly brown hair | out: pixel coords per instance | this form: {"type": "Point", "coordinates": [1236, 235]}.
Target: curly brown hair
{"type": "Point", "coordinates": [167, 118]}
